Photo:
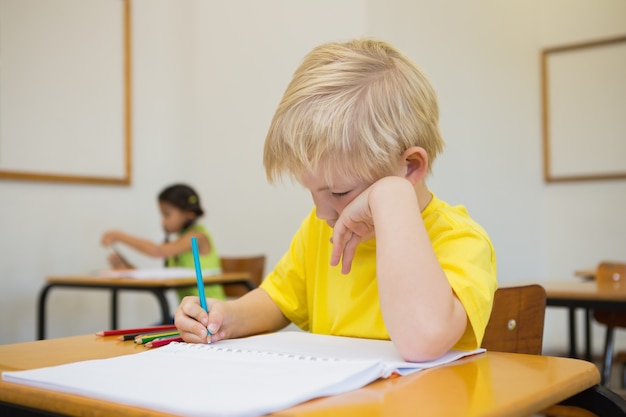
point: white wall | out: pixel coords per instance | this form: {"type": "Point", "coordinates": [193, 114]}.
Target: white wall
{"type": "Point", "coordinates": [245, 58]}
{"type": "Point", "coordinates": [207, 77]}
{"type": "Point", "coordinates": [582, 222]}
{"type": "Point", "coordinates": [483, 58]}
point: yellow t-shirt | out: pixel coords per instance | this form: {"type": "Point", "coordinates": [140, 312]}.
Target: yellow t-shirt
{"type": "Point", "coordinates": [318, 298]}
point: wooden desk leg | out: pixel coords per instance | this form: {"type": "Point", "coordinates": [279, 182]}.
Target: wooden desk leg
{"type": "Point", "coordinates": [41, 312]}
{"type": "Point", "coordinates": [114, 295]}
{"type": "Point", "coordinates": [166, 318]}
{"type": "Point", "coordinates": [588, 335]}
{"type": "Point", "coordinates": [599, 400]}
{"type": "Point", "coordinates": [572, 332]}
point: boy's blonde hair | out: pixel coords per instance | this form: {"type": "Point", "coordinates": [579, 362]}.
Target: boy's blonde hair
{"type": "Point", "coordinates": [352, 108]}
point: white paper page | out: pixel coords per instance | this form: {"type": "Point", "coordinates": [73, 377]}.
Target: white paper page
{"type": "Point", "coordinates": [239, 377]}
{"type": "Point", "coordinates": [325, 346]}
{"type": "Point", "coordinates": [193, 380]}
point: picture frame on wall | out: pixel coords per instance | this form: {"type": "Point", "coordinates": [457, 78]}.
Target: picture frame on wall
{"type": "Point", "coordinates": [65, 91]}
{"type": "Point", "coordinates": [583, 90]}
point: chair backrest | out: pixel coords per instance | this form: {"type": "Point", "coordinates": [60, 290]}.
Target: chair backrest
{"type": "Point", "coordinates": [517, 318]}
{"type": "Point", "coordinates": [611, 275]}
{"type": "Point", "coordinates": [254, 265]}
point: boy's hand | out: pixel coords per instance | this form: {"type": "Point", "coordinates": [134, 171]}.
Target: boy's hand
{"type": "Point", "coordinates": [354, 225]}
{"type": "Point", "coordinates": [192, 321]}
{"type": "Point", "coordinates": [356, 222]}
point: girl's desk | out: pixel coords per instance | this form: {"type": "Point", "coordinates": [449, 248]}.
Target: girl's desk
{"type": "Point", "coordinates": [489, 384]}
{"type": "Point", "coordinates": [586, 295]}
{"type": "Point", "coordinates": [158, 287]}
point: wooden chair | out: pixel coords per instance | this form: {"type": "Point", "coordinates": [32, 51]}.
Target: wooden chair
{"type": "Point", "coordinates": [255, 265]}
{"type": "Point", "coordinates": [613, 275]}
{"type": "Point", "coordinates": [516, 326]}
{"type": "Point", "coordinates": [516, 322]}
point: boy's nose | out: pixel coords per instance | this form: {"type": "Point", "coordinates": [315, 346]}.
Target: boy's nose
{"type": "Point", "coordinates": [327, 214]}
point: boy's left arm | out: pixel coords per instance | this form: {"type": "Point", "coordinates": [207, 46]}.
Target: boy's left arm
{"type": "Point", "coordinates": [422, 315]}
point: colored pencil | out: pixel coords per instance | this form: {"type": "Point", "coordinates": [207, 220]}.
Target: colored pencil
{"type": "Point", "coordinates": [163, 341]}
{"type": "Point", "coordinates": [133, 336]}
{"type": "Point", "coordinates": [140, 340]}
{"type": "Point", "coordinates": [137, 330]}
{"type": "Point", "coordinates": [199, 278]}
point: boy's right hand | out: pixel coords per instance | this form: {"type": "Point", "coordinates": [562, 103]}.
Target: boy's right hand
{"type": "Point", "coordinates": [192, 321]}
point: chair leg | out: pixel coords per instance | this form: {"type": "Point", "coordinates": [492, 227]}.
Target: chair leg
{"type": "Point", "coordinates": [607, 361]}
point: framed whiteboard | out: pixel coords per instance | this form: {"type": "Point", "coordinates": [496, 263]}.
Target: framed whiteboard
{"type": "Point", "coordinates": [65, 91]}
{"type": "Point", "coordinates": [584, 111]}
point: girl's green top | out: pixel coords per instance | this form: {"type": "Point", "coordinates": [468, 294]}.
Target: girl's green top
{"type": "Point", "coordinates": [209, 261]}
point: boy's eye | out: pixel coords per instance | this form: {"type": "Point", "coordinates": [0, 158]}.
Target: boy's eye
{"type": "Point", "coordinates": [340, 194]}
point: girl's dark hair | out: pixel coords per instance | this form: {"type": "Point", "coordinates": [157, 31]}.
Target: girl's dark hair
{"type": "Point", "coordinates": [183, 197]}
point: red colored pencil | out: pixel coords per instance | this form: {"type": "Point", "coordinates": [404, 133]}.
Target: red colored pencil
{"type": "Point", "coordinates": [138, 330]}
{"type": "Point", "coordinates": [163, 341]}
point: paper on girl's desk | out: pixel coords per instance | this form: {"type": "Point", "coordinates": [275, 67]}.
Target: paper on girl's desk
{"type": "Point", "coordinates": [239, 377]}
{"type": "Point", "coordinates": [157, 273]}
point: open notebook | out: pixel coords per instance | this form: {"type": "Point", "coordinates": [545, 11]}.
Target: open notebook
{"type": "Point", "coordinates": [240, 377]}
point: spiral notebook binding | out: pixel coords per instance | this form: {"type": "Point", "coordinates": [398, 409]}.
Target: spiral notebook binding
{"type": "Point", "coordinates": [182, 346]}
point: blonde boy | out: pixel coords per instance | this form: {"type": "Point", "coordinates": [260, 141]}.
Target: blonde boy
{"type": "Point", "coordinates": [379, 256]}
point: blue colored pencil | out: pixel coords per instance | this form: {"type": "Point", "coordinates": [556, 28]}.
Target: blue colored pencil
{"type": "Point", "coordinates": [199, 278]}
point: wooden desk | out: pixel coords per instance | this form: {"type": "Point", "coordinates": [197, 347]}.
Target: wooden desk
{"type": "Point", "coordinates": [157, 287]}
{"type": "Point", "coordinates": [588, 296]}
{"type": "Point", "coordinates": [490, 384]}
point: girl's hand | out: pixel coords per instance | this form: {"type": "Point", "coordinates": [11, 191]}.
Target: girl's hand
{"type": "Point", "coordinates": [354, 225]}
{"type": "Point", "coordinates": [117, 262]}
{"type": "Point", "coordinates": [110, 237]}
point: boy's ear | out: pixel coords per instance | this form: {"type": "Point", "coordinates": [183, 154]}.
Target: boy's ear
{"type": "Point", "coordinates": [414, 163]}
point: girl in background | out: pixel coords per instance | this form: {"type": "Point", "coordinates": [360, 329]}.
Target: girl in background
{"type": "Point", "coordinates": [180, 209]}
